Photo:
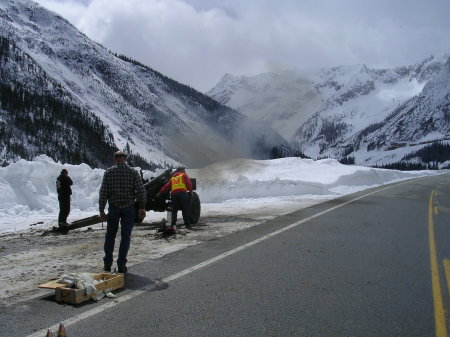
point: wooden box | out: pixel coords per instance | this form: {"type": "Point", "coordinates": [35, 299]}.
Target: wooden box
{"type": "Point", "coordinates": [76, 296]}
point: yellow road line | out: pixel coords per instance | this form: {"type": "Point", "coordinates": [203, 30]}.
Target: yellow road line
{"type": "Point", "coordinates": [447, 273]}
{"type": "Point", "coordinates": [439, 312]}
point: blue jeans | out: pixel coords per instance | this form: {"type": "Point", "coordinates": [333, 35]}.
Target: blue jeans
{"type": "Point", "coordinates": [126, 216]}
{"type": "Point", "coordinates": [180, 200]}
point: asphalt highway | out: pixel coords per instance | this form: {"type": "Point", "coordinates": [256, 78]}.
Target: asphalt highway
{"type": "Point", "coordinates": [374, 263]}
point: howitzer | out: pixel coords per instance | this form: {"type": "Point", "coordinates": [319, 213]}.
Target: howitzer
{"type": "Point", "coordinates": [155, 201]}
{"type": "Point", "coordinates": [160, 202]}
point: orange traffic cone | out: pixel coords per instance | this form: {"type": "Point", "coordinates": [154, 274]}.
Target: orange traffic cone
{"type": "Point", "coordinates": [49, 333]}
{"type": "Point", "coordinates": [61, 330]}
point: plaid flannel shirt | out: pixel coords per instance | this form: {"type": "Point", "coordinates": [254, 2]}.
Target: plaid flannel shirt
{"type": "Point", "coordinates": [121, 186]}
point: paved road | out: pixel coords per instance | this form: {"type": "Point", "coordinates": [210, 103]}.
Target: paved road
{"type": "Point", "coordinates": [369, 264]}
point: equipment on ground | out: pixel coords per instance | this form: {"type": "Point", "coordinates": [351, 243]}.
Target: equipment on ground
{"type": "Point", "coordinates": [77, 293]}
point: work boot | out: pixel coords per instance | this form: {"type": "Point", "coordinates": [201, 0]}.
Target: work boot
{"type": "Point", "coordinates": [122, 270]}
{"type": "Point", "coordinates": [62, 224]}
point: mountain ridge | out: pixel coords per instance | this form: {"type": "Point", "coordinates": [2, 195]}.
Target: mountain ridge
{"type": "Point", "coordinates": [335, 112]}
{"type": "Point", "coordinates": [158, 120]}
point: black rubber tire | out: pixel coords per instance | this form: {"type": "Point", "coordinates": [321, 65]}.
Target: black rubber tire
{"type": "Point", "coordinates": [194, 208]}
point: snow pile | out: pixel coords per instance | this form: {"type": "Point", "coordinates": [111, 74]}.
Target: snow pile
{"type": "Point", "coordinates": [245, 178]}
{"type": "Point", "coordinates": [28, 192]}
{"type": "Point", "coordinates": [28, 186]}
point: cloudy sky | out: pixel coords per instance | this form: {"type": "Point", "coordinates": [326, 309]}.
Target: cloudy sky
{"type": "Point", "coordinates": [197, 41]}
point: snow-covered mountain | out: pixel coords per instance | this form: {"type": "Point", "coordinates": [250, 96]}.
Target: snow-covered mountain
{"type": "Point", "coordinates": [377, 116]}
{"type": "Point", "coordinates": [66, 96]}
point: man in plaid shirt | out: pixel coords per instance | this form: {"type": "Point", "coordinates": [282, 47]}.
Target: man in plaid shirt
{"type": "Point", "coordinates": [121, 186]}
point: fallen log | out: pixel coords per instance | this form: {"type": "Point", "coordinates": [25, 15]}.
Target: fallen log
{"type": "Point", "coordinates": [89, 221]}
{"type": "Point", "coordinates": [93, 220]}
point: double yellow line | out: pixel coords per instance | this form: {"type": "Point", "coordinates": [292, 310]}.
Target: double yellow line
{"type": "Point", "coordinates": [439, 311]}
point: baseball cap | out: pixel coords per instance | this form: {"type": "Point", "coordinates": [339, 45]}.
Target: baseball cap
{"type": "Point", "coordinates": [119, 154]}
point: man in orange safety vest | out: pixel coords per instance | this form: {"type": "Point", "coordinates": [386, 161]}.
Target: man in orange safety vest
{"type": "Point", "coordinates": [180, 185]}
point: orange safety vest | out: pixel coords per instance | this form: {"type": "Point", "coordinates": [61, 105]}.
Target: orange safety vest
{"type": "Point", "coordinates": [177, 182]}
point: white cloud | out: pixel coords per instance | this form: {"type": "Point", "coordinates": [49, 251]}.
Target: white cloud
{"type": "Point", "coordinates": [197, 41]}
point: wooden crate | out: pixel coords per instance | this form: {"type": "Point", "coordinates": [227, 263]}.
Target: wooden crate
{"type": "Point", "coordinates": [76, 296]}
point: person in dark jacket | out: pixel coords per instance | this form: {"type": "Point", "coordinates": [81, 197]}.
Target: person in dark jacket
{"type": "Point", "coordinates": [180, 186]}
{"type": "Point", "coordinates": [120, 188]}
{"type": "Point", "coordinates": [63, 183]}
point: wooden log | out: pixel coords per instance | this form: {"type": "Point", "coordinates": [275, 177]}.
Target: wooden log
{"type": "Point", "coordinates": [92, 220]}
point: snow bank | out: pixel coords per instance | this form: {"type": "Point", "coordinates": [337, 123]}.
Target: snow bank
{"type": "Point", "coordinates": [31, 186]}
{"type": "Point", "coordinates": [245, 178]}
{"type": "Point", "coordinates": [28, 192]}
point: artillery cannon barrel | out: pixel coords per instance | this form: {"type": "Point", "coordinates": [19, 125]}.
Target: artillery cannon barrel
{"type": "Point", "coordinates": [159, 180]}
